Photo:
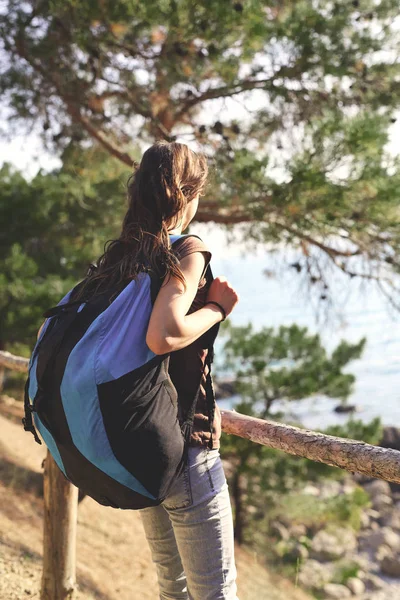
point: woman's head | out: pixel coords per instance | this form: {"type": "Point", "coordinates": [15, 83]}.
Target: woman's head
{"type": "Point", "coordinates": [163, 195]}
{"type": "Point", "coordinates": [165, 187]}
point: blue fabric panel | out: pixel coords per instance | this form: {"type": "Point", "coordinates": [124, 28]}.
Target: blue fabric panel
{"type": "Point", "coordinates": [113, 345]}
{"type": "Point", "coordinates": [173, 238]}
{"type": "Point", "coordinates": [122, 344]}
{"type": "Point", "coordinates": [65, 299]}
{"type": "Point", "coordinates": [33, 386]}
{"type": "Point", "coordinates": [82, 410]}
{"type": "Point", "coordinates": [46, 435]}
{"type": "Point", "coordinates": [50, 443]}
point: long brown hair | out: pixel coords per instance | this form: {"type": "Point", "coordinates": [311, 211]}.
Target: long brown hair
{"type": "Point", "coordinates": [168, 177]}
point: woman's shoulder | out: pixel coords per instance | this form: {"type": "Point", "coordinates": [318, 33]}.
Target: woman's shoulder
{"type": "Point", "coordinates": [187, 244]}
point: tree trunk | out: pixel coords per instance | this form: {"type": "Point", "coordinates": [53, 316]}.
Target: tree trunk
{"type": "Point", "coordinates": [2, 378]}
{"type": "Point", "coordinates": [60, 521]}
{"type": "Point", "coordinates": [2, 371]}
{"type": "Point", "coordinates": [238, 504]}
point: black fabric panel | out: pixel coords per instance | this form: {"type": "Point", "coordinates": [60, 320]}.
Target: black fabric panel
{"type": "Point", "coordinates": [79, 470]}
{"type": "Point", "coordinates": [141, 421]}
{"type": "Point", "coordinates": [97, 484]}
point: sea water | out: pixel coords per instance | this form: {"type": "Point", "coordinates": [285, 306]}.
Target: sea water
{"type": "Point", "coordinates": [357, 310]}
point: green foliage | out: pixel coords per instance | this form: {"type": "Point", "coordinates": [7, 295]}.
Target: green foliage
{"type": "Point", "coordinates": [314, 513]}
{"type": "Point", "coordinates": [287, 364]}
{"type": "Point", "coordinates": [309, 90]}
{"type": "Point", "coordinates": [371, 432]}
{"type": "Point", "coordinates": [57, 224]}
{"type": "Point", "coordinates": [317, 513]}
{"type": "Point", "coordinates": [344, 571]}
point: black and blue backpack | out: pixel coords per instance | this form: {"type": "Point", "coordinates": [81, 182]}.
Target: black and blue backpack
{"type": "Point", "coordinates": [104, 403]}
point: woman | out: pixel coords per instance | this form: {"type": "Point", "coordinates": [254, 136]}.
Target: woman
{"type": "Point", "coordinates": [191, 532]}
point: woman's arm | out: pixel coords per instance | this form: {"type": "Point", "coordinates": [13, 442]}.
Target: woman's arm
{"type": "Point", "coordinates": [170, 327]}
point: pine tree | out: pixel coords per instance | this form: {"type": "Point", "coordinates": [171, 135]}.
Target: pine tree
{"type": "Point", "coordinates": [282, 365]}
{"type": "Point", "coordinates": [315, 85]}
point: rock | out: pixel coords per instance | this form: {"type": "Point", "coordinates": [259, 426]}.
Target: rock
{"type": "Point", "coordinates": [224, 389]}
{"type": "Point", "coordinates": [373, 582]}
{"type": "Point", "coordinates": [362, 561]}
{"type": "Point", "coordinates": [382, 552]}
{"type": "Point", "coordinates": [381, 502]}
{"type": "Point", "coordinates": [299, 552]}
{"type": "Point", "coordinates": [336, 591]}
{"type": "Point", "coordinates": [348, 487]}
{"type": "Point", "coordinates": [311, 490]}
{"type": "Point", "coordinates": [327, 546]}
{"type": "Point", "coordinates": [356, 586]}
{"type": "Point", "coordinates": [278, 530]}
{"type": "Point", "coordinates": [378, 487]}
{"type": "Point", "coordinates": [391, 438]}
{"type": "Point", "coordinates": [390, 565]}
{"type": "Point", "coordinates": [374, 539]}
{"type": "Point", "coordinates": [330, 489]}
{"type": "Point", "coordinates": [314, 576]}
{"type": "Point", "coordinates": [345, 408]}
{"type": "Point", "coordinates": [365, 520]}
{"type": "Point", "coordinates": [391, 519]}
{"type": "Point", "coordinates": [361, 574]}
{"type": "Point", "coordinates": [373, 514]}
{"type": "Point", "coordinates": [298, 531]}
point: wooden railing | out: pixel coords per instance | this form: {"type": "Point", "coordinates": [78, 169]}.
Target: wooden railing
{"type": "Point", "coordinates": [61, 498]}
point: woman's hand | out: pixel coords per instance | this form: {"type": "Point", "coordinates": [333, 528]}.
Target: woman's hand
{"type": "Point", "coordinates": [223, 293]}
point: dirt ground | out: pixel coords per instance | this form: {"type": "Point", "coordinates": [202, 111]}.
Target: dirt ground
{"type": "Point", "coordinates": [113, 559]}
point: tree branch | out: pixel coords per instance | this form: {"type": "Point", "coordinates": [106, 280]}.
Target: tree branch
{"type": "Point", "coordinates": [15, 363]}
{"type": "Point", "coordinates": [350, 455]}
{"type": "Point", "coordinates": [238, 88]}
{"type": "Point", "coordinates": [100, 137]}
{"type": "Point", "coordinates": [332, 252]}
{"type": "Point", "coordinates": [227, 216]}
{"type": "Point", "coordinates": [221, 92]}
{"type": "Point", "coordinates": [222, 216]}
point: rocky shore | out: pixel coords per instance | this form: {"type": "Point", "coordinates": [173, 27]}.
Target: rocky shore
{"type": "Point", "coordinates": [338, 562]}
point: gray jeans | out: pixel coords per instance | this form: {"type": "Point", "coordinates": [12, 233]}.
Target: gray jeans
{"type": "Point", "coordinates": [191, 533]}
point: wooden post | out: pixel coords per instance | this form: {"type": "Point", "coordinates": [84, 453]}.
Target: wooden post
{"type": "Point", "coordinates": [59, 540]}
